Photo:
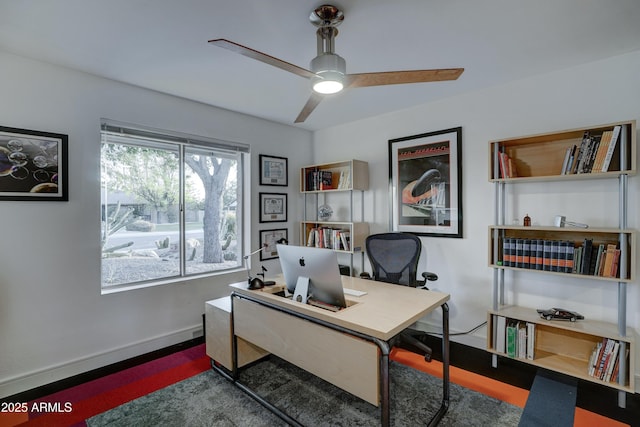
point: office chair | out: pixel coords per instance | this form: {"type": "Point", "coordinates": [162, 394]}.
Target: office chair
{"type": "Point", "coordinates": [394, 259]}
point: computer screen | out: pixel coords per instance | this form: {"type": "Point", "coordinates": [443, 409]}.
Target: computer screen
{"type": "Point", "coordinates": [319, 265]}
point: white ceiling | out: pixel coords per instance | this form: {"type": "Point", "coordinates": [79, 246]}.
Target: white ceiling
{"type": "Point", "coordinates": [162, 45]}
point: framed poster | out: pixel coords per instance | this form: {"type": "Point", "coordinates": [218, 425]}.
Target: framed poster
{"type": "Point", "coordinates": [273, 170]}
{"type": "Point", "coordinates": [425, 183]}
{"type": "Point", "coordinates": [33, 165]}
{"type": "Point", "coordinates": [273, 207]}
{"type": "Point", "coordinates": [268, 241]}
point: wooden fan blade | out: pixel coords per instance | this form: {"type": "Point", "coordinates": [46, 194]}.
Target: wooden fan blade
{"type": "Point", "coordinates": [308, 108]}
{"type": "Point", "coordinates": [402, 77]}
{"type": "Point", "coordinates": [262, 57]}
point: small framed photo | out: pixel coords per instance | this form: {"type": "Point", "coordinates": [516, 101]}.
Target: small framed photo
{"type": "Point", "coordinates": [33, 165]}
{"type": "Point", "coordinates": [273, 207]}
{"type": "Point", "coordinates": [268, 241]}
{"type": "Point", "coordinates": [273, 170]}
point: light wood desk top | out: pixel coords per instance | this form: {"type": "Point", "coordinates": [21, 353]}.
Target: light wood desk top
{"type": "Point", "coordinates": [383, 312]}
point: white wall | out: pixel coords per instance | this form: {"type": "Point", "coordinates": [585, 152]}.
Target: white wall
{"type": "Point", "coordinates": [596, 93]}
{"type": "Point", "coordinates": [53, 320]}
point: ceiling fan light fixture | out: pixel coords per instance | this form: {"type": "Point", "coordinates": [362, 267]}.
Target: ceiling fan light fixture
{"type": "Point", "coordinates": [330, 70]}
{"type": "Point", "coordinates": [328, 82]}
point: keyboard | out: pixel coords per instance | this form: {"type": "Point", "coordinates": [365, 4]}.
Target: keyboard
{"type": "Point", "coordinates": [354, 292]}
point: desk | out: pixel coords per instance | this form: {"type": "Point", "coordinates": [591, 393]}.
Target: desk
{"type": "Point", "coordinates": [349, 348]}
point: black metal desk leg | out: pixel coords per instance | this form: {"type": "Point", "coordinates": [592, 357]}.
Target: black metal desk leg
{"type": "Point", "coordinates": [385, 406]}
{"type": "Point", "coordinates": [444, 406]}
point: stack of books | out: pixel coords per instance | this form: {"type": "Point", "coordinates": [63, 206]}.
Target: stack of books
{"type": "Point", "coordinates": [605, 360]}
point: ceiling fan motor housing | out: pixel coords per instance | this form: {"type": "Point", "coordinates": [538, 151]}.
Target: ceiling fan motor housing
{"type": "Point", "coordinates": [328, 62]}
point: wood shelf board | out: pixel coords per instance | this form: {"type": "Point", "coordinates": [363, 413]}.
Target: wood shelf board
{"type": "Point", "coordinates": [595, 328]}
{"type": "Point", "coordinates": [561, 230]}
{"type": "Point", "coordinates": [567, 366]}
{"type": "Point", "coordinates": [558, 273]}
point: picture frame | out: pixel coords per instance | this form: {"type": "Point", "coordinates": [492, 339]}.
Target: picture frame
{"type": "Point", "coordinates": [273, 207]}
{"type": "Point", "coordinates": [274, 170]}
{"type": "Point", "coordinates": [425, 183]}
{"type": "Point", "coordinates": [268, 241]}
{"type": "Point", "coordinates": [33, 165]}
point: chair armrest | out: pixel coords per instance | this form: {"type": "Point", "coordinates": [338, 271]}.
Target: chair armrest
{"type": "Point", "coordinates": [429, 276]}
{"type": "Point", "coordinates": [365, 275]}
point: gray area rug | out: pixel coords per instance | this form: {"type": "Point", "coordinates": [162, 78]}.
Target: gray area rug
{"type": "Point", "coordinates": [208, 399]}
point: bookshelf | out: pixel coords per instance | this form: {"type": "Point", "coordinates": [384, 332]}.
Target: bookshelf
{"type": "Point", "coordinates": [599, 152]}
{"type": "Point", "coordinates": [321, 184]}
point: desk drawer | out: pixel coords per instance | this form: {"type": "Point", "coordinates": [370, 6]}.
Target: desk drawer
{"type": "Point", "coordinates": [345, 361]}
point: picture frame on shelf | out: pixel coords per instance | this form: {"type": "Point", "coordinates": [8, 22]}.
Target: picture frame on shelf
{"type": "Point", "coordinates": [34, 165]}
{"type": "Point", "coordinates": [274, 170]}
{"type": "Point", "coordinates": [425, 183]}
{"type": "Point", "coordinates": [273, 207]}
{"type": "Point", "coordinates": [268, 241]}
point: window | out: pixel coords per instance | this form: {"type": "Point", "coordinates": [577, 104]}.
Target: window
{"type": "Point", "coordinates": [171, 206]}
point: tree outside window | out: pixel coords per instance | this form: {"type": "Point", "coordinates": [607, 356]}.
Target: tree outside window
{"type": "Point", "coordinates": [169, 209]}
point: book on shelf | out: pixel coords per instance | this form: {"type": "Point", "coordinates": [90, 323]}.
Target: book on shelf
{"type": "Point", "coordinates": [611, 148]}
{"type": "Point", "coordinates": [531, 340]}
{"type": "Point", "coordinates": [604, 360]}
{"type": "Point", "coordinates": [345, 179]}
{"type": "Point", "coordinates": [500, 334]}
{"type": "Point", "coordinates": [512, 338]}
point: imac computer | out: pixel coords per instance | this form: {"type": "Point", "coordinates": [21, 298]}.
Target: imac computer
{"type": "Point", "coordinates": [313, 273]}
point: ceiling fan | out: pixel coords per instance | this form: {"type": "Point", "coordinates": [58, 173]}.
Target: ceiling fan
{"type": "Point", "coordinates": [328, 69]}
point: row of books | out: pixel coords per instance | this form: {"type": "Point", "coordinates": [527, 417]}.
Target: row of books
{"type": "Point", "coordinates": [330, 238]}
{"type": "Point", "coordinates": [604, 362]}
{"type": "Point", "coordinates": [594, 155]}
{"type": "Point", "coordinates": [515, 338]}
{"type": "Point", "coordinates": [561, 256]}
{"type": "Point", "coordinates": [326, 180]}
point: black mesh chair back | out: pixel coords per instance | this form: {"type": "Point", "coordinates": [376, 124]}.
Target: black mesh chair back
{"type": "Point", "coordinates": [394, 257]}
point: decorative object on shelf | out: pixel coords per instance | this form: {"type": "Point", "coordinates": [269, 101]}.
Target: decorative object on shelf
{"type": "Point", "coordinates": [426, 183]}
{"type": "Point", "coordinates": [33, 165]}
{"type": "Point", "coordinates": [273, 170]}
{"type": "Point", "coordinates": [273, 207]}
{"type": "Point", "coordinates": [325, 212]}
{"type": "Point", "coordinates": [527, 221]}
{"type": "Point", "coordinates": [269, 239]}
{"type": "Point", "coordinates": [561, 221]}
{"type": "Point", "coordinates": [560, 314]}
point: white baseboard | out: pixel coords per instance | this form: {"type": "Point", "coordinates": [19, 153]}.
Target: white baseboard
{"type": "Point", "coordinates": [50, 374]}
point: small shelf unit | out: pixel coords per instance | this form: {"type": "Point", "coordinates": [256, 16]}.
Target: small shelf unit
{"type": "Point", "coordinates": [562, 346]}
{"type": "Point", "coordinates": [320, 182]}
